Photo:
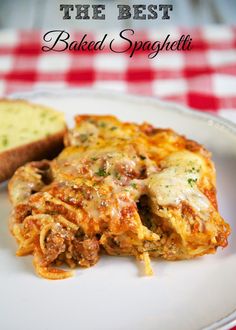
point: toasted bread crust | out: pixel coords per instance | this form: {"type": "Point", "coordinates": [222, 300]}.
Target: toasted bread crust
{"type": "Point", "coordinates": [47, 148]}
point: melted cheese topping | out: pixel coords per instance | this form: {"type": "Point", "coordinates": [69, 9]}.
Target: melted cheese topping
{"type": "Point", "coordinates": [172, 186]}
{"type": "Point", "coordinates": [178, 182]}
{"type": "Point", "coordinates": [109, 177]}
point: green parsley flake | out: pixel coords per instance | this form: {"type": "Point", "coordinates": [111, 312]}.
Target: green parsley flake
{"type": "Point", "coordinates": [191, 181]}
{"type": "Point", "coordinates": [43, 114]}
{"type": "Point", "coordinates": [194, 170]}
{"type": "Point", "coordinates": [101, 172]}
{"type": "Point", "coordinates": [54, 117]}
{"type": "Point", "coordinates": [117, 175]}
{"type": "Point", "coordinates": [4, 140]}
{"type": "Point", "coordinates": [83, 137]}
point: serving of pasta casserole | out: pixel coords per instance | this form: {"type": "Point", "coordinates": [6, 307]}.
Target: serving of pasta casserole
{"type": "Point", "coordinates": [117, 188]}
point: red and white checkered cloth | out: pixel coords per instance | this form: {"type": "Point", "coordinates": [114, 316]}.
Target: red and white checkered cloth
{"type": "Point", "coordinates": [203, 78]}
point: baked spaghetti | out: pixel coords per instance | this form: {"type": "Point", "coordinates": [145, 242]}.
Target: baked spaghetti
{"type": "Point", "coordinates": [116, 188]}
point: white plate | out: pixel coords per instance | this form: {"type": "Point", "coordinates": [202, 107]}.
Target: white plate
{"type": "Point", "coordinates": [194, 294]}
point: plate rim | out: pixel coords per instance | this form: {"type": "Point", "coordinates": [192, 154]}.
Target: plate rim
{"type": "Point", "coordinates": [218, 122]}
